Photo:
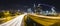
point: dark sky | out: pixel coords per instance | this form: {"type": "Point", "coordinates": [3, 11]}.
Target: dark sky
{"type": "Point", "coordinates": [7, 4]}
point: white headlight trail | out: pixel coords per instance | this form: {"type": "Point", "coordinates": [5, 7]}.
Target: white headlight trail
{"type": "Point", "coordinates": [14, 22]}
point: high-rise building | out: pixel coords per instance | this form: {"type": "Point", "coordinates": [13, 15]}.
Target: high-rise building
{"type": "Point", "coordinates": [34, 5]}
{"type": "Point", "coordinates": [29, 10]}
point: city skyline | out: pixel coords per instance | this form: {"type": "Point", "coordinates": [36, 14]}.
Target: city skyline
{"type": "Point", "coordinates": [19, 4]}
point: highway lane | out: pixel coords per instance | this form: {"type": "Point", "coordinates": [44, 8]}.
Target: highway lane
{"type": "Point", "coordinates": [14, 22]}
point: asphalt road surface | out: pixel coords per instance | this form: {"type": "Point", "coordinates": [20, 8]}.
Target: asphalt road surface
{"type": "Point", "coordinates": [14, 22]}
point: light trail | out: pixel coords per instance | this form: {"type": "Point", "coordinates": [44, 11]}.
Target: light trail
{"type": "Point", "coordinates": [14, 22]}
{"type": "Point", "coordinates": [44, 20]}
{"type": "Point", "coordinates": [42, 16]}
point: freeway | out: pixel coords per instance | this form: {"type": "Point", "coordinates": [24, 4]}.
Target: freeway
{"type": "Point", "coordinates": [44, 20]}
{"type": "Point", "coordinates": [14, 22]}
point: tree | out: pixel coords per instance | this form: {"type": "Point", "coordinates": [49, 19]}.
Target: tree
{"type": "Point", "coordinates": [1, 14]}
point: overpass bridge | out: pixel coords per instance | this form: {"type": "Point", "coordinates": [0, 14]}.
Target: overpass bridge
{"type": "Point", "coordinates": [44, 20]}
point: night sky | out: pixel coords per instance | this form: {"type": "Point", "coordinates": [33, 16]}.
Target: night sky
{"type": "Point", "coordinates": [14, 4]}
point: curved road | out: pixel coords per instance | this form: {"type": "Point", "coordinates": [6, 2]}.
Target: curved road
{"type": "Point", "coordinates": [14, 22]}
